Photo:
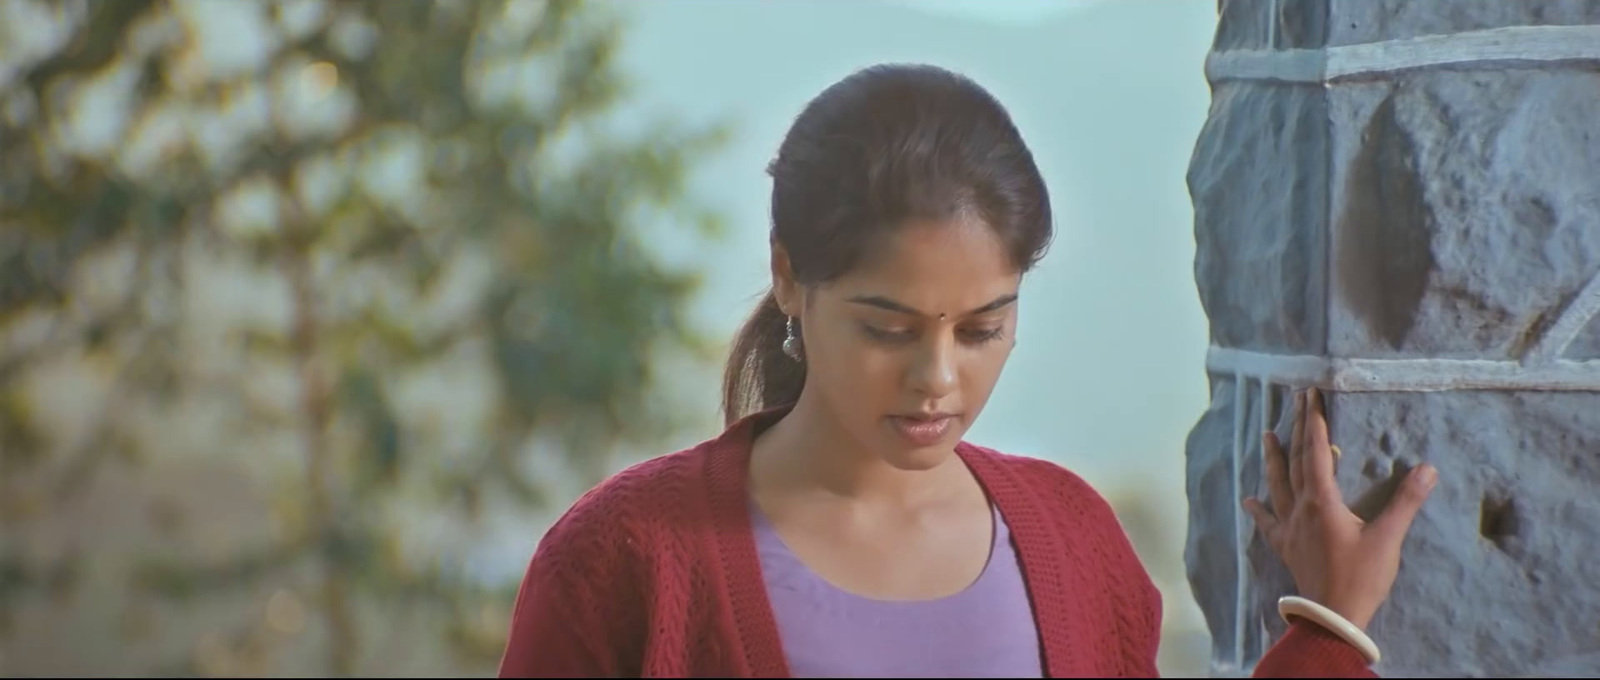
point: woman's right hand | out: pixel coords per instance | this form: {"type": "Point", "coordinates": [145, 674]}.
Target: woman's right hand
{"type": "Point", "coordinates": [1337, 560]}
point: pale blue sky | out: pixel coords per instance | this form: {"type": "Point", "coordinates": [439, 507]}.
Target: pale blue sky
{"type": "Point", "coordinates": [1000, 12]}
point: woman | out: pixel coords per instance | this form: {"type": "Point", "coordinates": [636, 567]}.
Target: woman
{"type": "Point", "coordinates": [840, 526]}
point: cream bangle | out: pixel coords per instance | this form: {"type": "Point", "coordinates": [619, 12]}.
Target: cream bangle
{"type": "Point", "coordinates": [1291, 605]}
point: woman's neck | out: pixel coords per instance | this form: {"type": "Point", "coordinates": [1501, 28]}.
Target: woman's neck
{"type": "Point", "coordinates": [809, 452]}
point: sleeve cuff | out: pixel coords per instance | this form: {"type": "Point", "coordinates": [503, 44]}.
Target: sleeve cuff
{"type": "Point", "coordinates": [1292, 606]}
{"type": "Point", "coordinates": [1308, 650]}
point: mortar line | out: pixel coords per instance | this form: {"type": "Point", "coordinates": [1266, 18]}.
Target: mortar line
{"type": "Point", "coordinates": [1405, 375]}
{"type": "Point", "coordinates": [1330, 64]}
{"type": "Point", "coordinates": [1583, 308]}
{"type": "Point", "coordinates": [1241, 392]}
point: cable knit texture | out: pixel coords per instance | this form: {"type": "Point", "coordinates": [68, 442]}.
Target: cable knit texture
{"type": "Point", "coordinates": [654, 573]}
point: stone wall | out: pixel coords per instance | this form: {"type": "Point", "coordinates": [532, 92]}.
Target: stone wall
{"type": "Point", "coordinates": [1399, 201]}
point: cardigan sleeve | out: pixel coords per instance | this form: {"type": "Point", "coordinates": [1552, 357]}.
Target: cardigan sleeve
{"type": "Point", "coordinates": [578, 610]}
{"type": "Point", "coordinates": [1307, 650]}
{"type": "Point", "coordinates": [1311, 651]}
{"type": "Point", "coordinates": [1141, 612]}
{"type": "Point", "coordinates": [1148, 645]}
{"type": "Point", "coordinates": [1138, 605]}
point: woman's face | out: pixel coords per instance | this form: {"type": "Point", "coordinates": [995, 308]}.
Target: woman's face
{"type": "Point", "coordinates": [904, 351]}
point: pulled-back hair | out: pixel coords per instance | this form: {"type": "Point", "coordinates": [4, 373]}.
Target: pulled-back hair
{"type": "Point", "coordinates": [887, 145]}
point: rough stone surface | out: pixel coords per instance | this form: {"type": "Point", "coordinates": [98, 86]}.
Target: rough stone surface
{"type": "Point", "coordinates": [1211, 551]}
{"type": "Point", "coordinates": [1259, 261]}
{"type": "Point", "coordinates": [1302, 24]}
{"type": "Point", "coordinates": [1587, 344]}
{"type": "Point", "coordinates": [1437, 213]}
{"type": "Point", "coordinates": [1497, 577]}
{"type": "Point", "coordinates": [1498, 573]}
{"type": "Point", "coordinates": [1242, 24]}
{"type": "Point", "coordinates": [1467, 210]}
{"type": "Point", "coordinates": [1252, 24]}
{"type": "Point", "coordinates": [1213, 546]}
{"type": "Point", "coordinates": [1361, 21]}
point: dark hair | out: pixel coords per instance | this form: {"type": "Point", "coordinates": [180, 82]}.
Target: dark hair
{"type": "Point", "coordinates": [887, 144]}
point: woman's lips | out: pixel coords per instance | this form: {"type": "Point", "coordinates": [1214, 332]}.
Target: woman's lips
{"type": "Point", "coordinates": [923, 430]}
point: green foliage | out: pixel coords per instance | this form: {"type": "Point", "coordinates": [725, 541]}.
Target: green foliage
{"type": "Point", "coordinates": [502, 115]}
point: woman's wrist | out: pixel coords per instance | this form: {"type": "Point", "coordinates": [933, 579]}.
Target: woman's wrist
{"type": "Point", "coordinates": [1291, 606]}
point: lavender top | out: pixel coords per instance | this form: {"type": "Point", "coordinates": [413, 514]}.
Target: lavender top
{"type": "Point", "coordinates": [986, 630]}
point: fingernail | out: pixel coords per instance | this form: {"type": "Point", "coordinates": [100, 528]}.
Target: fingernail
{"type": "Point", "coordinates": [1427, 477]}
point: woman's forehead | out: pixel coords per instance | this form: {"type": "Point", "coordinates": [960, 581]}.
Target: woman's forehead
{"type": "Point", "coordinates": [939, 248]}
{"type": "Point", "coordinates": [938, 267]}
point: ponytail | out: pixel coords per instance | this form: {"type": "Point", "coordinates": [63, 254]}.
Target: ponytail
{"type": "Point", "coordinates": [759, 375]}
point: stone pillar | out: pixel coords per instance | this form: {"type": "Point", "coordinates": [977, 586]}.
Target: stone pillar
{"type": "Point", "coordinates": [1399, 201]}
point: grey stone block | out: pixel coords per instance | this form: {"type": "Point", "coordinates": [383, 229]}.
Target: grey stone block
{"type": "Point", "coordinates": [1302, 24]}
{"type": "Point", "coordinates": [1587, 344]}
{"type": "Point", "coordinates": [1498, 573]}
{"type": "Point", "coordinates": [1272, 24]}
{"type": "Point", "coordinates": [1497, 576]}
{"type": "Point", "coordinates": [1467, 210]}
{"type": "Point", "coordinates": [1361, 21]}
{"type": "Point", "coordinates": [1211, 551]}
{"type": "Point", "coordinates": [1242, 24]}
{"type": "Point", "coordinates": [1259, 261]}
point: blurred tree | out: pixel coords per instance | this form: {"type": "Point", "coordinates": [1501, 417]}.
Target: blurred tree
{"type": "Point", "coordinates": [409, 189]}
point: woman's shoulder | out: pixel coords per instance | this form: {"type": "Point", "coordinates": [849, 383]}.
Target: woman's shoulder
{"type": "Point", "coordinates": [636, 503]}
{"type": "Point", "coordinates": [1065, 496]}
{"type": "Point", "coordinates": [1081, 515]}
{"type": "Point", "coordinates": [631, 534]}
{"type": "Point", "coordinates": [1005, 472]}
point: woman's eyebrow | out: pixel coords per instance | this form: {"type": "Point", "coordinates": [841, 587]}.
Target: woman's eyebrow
{"type": "Point", "coordinates": [882, 302]}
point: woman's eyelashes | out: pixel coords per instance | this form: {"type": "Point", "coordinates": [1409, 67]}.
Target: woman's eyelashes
{"type": "Point", "coordinates": [979, 336]}
{"type": "Point", "coordinates": [890, 336]}
{"type": "Point", "coordinates": [974, 335]}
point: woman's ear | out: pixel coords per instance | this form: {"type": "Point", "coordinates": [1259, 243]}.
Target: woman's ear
{"type": "Point", "coordinates": [789, 293]}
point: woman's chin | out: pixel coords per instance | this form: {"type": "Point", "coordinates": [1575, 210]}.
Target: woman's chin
{"type": "Point", "coordinates": [918, 461]}
{"type": "Point", "coordinates": [903, 455]}
{"type": "Point", "coordinates": [920, 445]}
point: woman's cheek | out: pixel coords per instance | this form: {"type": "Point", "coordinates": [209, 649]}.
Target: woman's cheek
{"type": "Point", "coordinates": [870, 365]}
{"type": "Point", "coordinates": [983, 369]}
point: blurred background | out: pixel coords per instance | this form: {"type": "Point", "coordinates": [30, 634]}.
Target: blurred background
{"type": "Point", "coordinates": [314, 315]}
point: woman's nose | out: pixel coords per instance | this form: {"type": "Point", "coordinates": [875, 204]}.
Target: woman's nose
{"type": "Point", "coordinates": [934, 374]}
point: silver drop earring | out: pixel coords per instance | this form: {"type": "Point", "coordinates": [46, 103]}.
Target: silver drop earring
{"type": "Point", "coordinates": [791, 343]}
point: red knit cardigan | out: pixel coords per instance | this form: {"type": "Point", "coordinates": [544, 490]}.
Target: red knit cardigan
{"type": "Point", "coordinates": [654, 573]}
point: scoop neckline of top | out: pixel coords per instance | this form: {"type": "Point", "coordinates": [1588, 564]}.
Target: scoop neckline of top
{"type": "Point", "coordinates": [759, 519]}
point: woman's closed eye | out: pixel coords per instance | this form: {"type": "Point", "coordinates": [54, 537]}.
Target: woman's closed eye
{"type": "Point", "coordinates": [889, 334]}
{"type": "Point", "coordinates": [972, 336]}
{"type": "Point", "coordinates": [979, 336]}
